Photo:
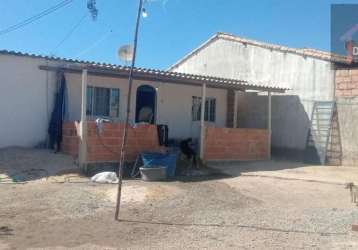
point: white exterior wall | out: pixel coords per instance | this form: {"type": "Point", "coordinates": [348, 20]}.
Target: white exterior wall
{"type": "Point", "coordinates": [25, 101]}
{"type": "Point", "coordinates": [27, 97]}
{"type": "Point", "coordinates": [174, 102]}
{"type": "Point", "coordinates": [308, 78]}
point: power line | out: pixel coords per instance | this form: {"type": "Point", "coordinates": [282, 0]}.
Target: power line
{"type": "Point", "coordinates": [35, 17]}
{"type": "Point", "coordinates": [94, 44]}
{"type": "Point", "coordinates": [70, 32]}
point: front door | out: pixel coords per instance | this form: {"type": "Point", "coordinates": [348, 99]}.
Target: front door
{"type": "Point", "coordinates": [145, 104]}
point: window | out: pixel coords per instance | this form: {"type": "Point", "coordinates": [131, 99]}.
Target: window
{"type": "Point", "coordinates": [210, 109]}
{"type": "Point", "coordinates": [102, 101]}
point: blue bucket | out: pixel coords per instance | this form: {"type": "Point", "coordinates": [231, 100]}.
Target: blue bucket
{"type": "Point", "coordinates": [157, 159]}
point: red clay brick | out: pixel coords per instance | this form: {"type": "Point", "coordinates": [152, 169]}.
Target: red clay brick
{"type": "Point", "coordinates": [341, 86]}
{"type": "Point", "coordinates": [69, 125]}
{"type": "Point", "coordinates": [141, 138]}
{"type": "Point", "coordinates": [355, 92]}
{"type": "Point", "coordinates": [347, 92]}
{"type": "Point", "coordinates": [235, 144]}
{"type": "Point", "coordinates": [339, 93]}
{"type": "Point", "coordinates": [346, 83]}
{"type": "Point", "coordinates": [354, 78]}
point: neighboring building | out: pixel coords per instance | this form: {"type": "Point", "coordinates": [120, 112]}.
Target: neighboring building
{"type": "Point", "coordinates": [238, 74]}
{"type": "Point", "coordinates": [347, 102]}
{"type": "Point", "coordinates": [29, 84]}
{"type": "Point", "coordinates": [308, 73]}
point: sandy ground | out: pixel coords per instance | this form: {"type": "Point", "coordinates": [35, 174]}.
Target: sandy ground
{"type": "Point", "coordinates": [235, 212]}
{"type": "Point", "coordinates": [21, 164]}
{"type": "Point", "coordinates": [291, 170]}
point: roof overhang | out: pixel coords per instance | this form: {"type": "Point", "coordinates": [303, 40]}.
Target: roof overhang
{"type": "Point", "coordinates": [163, 76]}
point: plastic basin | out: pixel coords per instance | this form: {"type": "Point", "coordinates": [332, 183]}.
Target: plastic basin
{"type": "Point", "coordinates": [157, 173]}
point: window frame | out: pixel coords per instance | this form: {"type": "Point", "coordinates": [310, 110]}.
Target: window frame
{"type": "Point", "coordinates": [91, 91]}
{"type": "Point", "coordinates": [210, 109]}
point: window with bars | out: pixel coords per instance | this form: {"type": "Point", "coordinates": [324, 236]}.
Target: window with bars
{"type": "Point", "coordinates": [210, 109]}
{"type": "Point", "coordinates": [103, 102]}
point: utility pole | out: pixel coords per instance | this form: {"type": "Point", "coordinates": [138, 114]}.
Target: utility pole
{"type": "Point", "coordinates": [124, 138]}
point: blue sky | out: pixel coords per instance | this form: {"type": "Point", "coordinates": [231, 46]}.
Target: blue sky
{"type": "Point", "coordinates": [172, 29]}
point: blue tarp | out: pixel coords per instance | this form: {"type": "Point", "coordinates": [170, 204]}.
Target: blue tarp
{"type": "Point", "coordinates": [57, 116]}
{"type": "Point", "coordinates": [157, 159]}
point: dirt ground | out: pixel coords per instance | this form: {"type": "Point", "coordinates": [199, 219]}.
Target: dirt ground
{"type": "Point", "coordinates": [231, 211]}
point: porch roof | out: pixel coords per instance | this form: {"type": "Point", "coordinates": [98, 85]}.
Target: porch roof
{"type": "Point", "coordinates": [165, 76]}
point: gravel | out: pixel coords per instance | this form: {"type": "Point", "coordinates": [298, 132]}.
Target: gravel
{"type": "Point", "coordinates": [240, 212]}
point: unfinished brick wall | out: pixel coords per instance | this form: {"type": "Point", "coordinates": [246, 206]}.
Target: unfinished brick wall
{"type": "Point", "coordinates": [70, 139]}
{"type": "Point", "coordinates": [235, 144]}
{"type": "Point", "coordinates": [346, 82]}
{"type": "Point", "coordinates": [106, 147]}
{"type": "Point", "coordinates": [344, 136]}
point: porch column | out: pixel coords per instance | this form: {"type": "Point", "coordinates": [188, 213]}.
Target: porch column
{"type": "Point", "coordinates": [269, 125]}
{"type": "Point", "coordinates": [83, 124]}
{"type": "Point", "coordinates": [235, 109]}
{"type": "Point", "coordinates": [202, 121]}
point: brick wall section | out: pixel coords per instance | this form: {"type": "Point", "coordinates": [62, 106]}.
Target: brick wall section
{"type": "Point", "coordinates": [70, 139]}
{"type": "Point", "coordinates": [106, 148]}
{"type": "Point", "coordinates": [346, 82]}
{"type": "Point", "coordinates": [230, 108]}
{"type": "Point", "coordinates": [235, 144]}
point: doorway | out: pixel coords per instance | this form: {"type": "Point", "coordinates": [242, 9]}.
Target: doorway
{"type": "Point", "coordinates": [146, 104]}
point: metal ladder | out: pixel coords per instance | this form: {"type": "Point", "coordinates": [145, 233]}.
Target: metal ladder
{"type": "Point", "coordinates": [320, 132]}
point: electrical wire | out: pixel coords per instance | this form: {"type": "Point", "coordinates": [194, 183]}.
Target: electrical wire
{"type": "Point", "coordinates": [68, 35]}
{"type": "Point", "coordinates": [35, 17]}
{"type": "Point", "coordinates": [94, 45]}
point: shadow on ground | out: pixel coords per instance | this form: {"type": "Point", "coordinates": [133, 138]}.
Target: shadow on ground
{"type": "Point", "coordinates": [237, 168]}
{"type": "Point", "coordinates": [228, 169]}
{"type": "Point", "coordinates": [28, 164]}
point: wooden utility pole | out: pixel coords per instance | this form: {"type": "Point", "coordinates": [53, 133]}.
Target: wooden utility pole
{"type": "Point", "coordinates": [124, 138]}
{"type": "Point", "coordinates": [82, 156]}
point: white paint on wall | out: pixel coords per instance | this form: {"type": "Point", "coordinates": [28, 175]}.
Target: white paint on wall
{"type": "Point", "coordinates": [25, 101]}
{"type": "Point", "coordinates": [27, 97]}
{"type": "Point", "coordinates": [309, 79]}
{"type": "Point", "coordinates": [174, 102]}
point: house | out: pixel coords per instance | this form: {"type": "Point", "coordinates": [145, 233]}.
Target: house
{"type": "Point", "coordinates": [310, 75]}
{"type": "Point", "coordinates": [27, 95]}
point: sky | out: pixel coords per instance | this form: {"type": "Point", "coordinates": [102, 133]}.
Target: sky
{"type": "Point", "coordinates": [172, 28]}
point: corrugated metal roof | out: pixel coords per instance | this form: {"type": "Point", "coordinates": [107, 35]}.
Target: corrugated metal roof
{"type": "Point", "coordinates": [314, 53]}
{"type": "Point", "coordinates": [162, 75]}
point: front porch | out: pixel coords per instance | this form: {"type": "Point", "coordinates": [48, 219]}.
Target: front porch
{"type": "Point", "coordinates": [220, 143]}
{"type": "Point", "coordinates": [105, 145]}
{"type": "Point", "coordinates": [236, 144]}
{"type": "Point", "coordinates": [216, 141]}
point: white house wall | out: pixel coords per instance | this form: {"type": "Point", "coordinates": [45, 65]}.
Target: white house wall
{"type": "Point", "coordinates": [308, 78]}
{"type": "Point", "coordinates": [174, 102]}
{"type": "Point", "coordinates": [26, 101]}
{"type": "Point", "coordinates": [27, 97]}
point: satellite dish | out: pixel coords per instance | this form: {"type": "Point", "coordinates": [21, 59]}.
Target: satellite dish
{"type": "Point", "coordinates": [125, 53]}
